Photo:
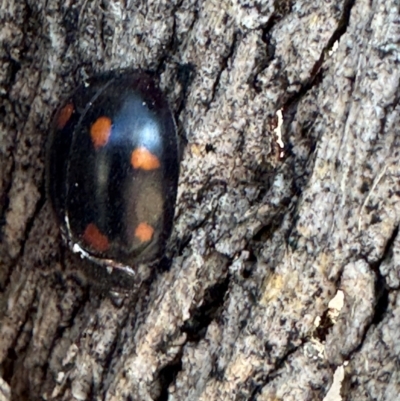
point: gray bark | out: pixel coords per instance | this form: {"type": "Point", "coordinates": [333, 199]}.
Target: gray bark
{"type": "Point", "coordinates": [264, 237]}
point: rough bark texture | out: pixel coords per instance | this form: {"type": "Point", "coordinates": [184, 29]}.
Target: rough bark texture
{"type": "Point", "coordinates": [261, 242]}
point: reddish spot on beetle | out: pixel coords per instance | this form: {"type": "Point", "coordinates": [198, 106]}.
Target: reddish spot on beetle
{"type": "Point", "coordinates": [64, 115]}
{"type": "Point", "coordinates": [100, 131]}
{"type": "Point", "coordinates": [143, 159]}
{"type": "Point", "coordinates": [144, 232]}
{"type": "Point", "coordinates": [95, 238]}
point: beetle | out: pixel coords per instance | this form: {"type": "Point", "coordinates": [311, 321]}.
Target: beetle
{"type": "Point", "coordinates": [112, 170]}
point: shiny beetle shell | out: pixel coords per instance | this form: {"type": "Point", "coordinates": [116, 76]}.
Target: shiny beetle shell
{"type": "Point", "coordinates": [112, 170]}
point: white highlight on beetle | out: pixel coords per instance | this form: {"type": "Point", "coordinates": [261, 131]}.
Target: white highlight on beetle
{"type": "Point", "coordinates": [76, 248]}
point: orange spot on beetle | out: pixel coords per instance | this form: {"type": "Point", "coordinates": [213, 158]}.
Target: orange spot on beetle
{"type": "Point", "coordinates": [64, 115]}
{"type": "Point", "coordinates": [100, 131]}
{"type": "Point", "coordinates": [144, 232]}
{"type": "Point", "coordinates": [143, 159]}
{"type": "Point", "coordinates": [95, 238]}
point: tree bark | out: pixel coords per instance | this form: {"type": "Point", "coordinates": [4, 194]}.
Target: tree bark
{"type": "Point", "coordinates": [264, 235]}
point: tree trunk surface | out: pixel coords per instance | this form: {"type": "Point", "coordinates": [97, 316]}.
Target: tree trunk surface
{"type": "Point", "coordinates": [265, 235]}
